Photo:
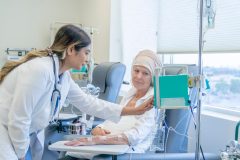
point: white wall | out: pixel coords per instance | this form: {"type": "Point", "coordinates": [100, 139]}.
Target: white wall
{"type": "Point", "coordinates": [115, 50]}
{"type": "Point", "coordinates": [217, 130]}
{"type": "Point", "coordinates": [138, 27]}
{"type": "Point", "coordinates": [26, 23]}
{"type": "Point", "coordinates": [133, 27]}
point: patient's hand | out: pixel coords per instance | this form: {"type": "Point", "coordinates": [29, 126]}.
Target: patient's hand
{"type": "Point", "coordinates": [100, 131]}
{"type": "Point", "coordinates": [95, 140]}
{"type": "Point", "coordinates": [83, 141]}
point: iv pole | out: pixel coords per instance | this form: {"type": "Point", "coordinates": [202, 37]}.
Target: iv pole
{"type": "Point", "coordinates": [197, 151]}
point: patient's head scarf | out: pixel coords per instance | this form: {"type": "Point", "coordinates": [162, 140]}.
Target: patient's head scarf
{"type": "Point", "coordinates": [148, 59]}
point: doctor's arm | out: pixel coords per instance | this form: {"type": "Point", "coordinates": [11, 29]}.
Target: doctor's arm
{"type": "Point", "coordinates": [100, 108]}
{"type": "Point", "coordinates": [146, 106]}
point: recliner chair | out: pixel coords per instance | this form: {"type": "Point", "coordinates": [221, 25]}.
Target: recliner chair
{"type": "Point", "coordinates": [108, 76]}
{"type": "Point", "coordinates": [176, 145]}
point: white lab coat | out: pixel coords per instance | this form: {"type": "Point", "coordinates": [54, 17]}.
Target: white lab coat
{"type": "Point", "coordinates": [25, 104]}
{"type": "Point", "coordinates": [137, 128]}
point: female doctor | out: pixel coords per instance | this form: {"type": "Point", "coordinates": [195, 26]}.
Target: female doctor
{"type": "Point", "coordinates": [33, 89]}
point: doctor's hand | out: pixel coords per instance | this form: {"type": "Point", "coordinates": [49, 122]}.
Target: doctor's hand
{"type": "Point", "coordinates": [145, 106]}
{"type": "Point", "coordinates": [100, 131]}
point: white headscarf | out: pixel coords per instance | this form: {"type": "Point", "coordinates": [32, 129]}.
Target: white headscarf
{"type": "Point", "coordinates": [147, 59]}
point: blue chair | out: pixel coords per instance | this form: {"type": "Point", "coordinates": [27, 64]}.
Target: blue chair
{"type": "Point", "coordinates": [108, 76]}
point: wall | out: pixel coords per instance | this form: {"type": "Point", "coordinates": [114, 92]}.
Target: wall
{"type": "Point", "coordinates": [217, 130]}
{"type": "Point", "coordinates": [133, 28]}
{"type": "Point", "coordinates": [139, 27]}
{"type": "Point", "coordinates": [27, 23]}
{"type": "Point", "coordinates": [115, 50]}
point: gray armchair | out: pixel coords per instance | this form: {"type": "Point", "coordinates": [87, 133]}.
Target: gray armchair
{"type": "Point", "coordinates": [109, 77]}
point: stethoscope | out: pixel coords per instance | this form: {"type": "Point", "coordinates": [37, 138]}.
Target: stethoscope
{"type": "Point", "coordinates": [56, 95]}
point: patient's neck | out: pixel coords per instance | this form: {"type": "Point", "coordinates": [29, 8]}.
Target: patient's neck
{"type": "Point", "coordinates": [140, 93]}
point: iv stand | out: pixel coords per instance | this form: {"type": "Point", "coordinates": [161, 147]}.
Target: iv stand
{"type": "Point", "coordinates": [200, 72]}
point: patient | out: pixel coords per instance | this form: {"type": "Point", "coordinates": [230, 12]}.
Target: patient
{"type": "Point", "coordinates": [134, 131]}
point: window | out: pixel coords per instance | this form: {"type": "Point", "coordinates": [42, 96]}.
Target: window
{"type": "Point", "coordinates": [178, 30]}
{"type": "Point", "coordinates": [223, 72]}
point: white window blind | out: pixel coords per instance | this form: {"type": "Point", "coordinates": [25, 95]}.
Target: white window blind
{"type": "Point", "coordinates": [138, 29]}
{"type": "Point", "coordinates": [178, 27]}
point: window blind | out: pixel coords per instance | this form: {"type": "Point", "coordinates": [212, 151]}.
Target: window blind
{"type": "Point", "coordinates": [178, 27]}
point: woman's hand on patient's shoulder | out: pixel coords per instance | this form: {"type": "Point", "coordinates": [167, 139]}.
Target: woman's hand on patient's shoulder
{"type": "Point", "coordinates": [141, 109]}
{"type": "Point", "coordinates": [145, 106]}
{"type": "Point", "coordinates": [100, 131]}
